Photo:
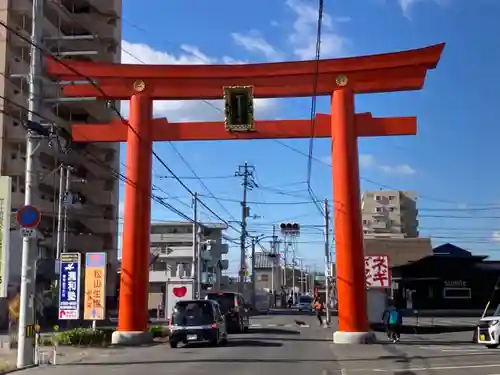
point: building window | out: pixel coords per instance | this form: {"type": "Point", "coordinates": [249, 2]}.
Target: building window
{"type": "Point", "coordinates": [159, 266]}
{"type": "Point", "coordinates": [392, 197]}
{"type": "Point", "coordinates": [157, 230]}
{"type": "Point", "coordinates": [179, 244]}
{"type": "Point", "coordinates": [264, 278]}
{"type": "Point", "coordinates": [457, 293]}
{"type": "Point", "coordinates": [392, 209]}
{"type": "Point", "coordinates": [379, 209]}
{"type": "Point", "coordinates": [378, 197]}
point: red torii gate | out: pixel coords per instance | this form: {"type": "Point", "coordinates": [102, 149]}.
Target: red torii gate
{"type": "Point", "coordinates": [339, 78]}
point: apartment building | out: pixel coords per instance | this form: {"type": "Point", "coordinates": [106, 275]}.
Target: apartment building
{"type": "Point", "coordinates": [74, 29]}
{"type": "Point", "coordinates": [389, 214]}
{"type": "Point", "coordinates": [172, 245]}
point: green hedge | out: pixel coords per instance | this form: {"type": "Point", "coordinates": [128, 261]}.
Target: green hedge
{"type": "Point", "coordinates": [89, 337]}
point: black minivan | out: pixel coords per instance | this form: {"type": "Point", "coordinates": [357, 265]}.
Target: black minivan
{"type": "Point", "coordinates": [195, 321]}
{"type": "Point", "coordinates": [235, 309]}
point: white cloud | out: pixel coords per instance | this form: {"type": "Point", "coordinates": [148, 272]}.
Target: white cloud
{"type": "Point", "coordinates": [304, 34]}
{"type": "Point", "coordinates": [255, 43]}
{"type": "Point", "coordinates": [403, 169]}
{"type": "Point", "coordinates": [367, 161]}
{"type": "Point", "coordinates": [187, 110]}
{"type": "Point", "coordinates": [121, 208]}
{"type": "Point", "coordinates": [407, 5]}
{"type": "Point", "coordinates": [496, 236]}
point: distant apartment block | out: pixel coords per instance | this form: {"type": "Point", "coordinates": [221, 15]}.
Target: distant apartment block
{"type": "Point", "coordinates": [172, 247]}
{"type": "Point", "coordinates": [389, 214]}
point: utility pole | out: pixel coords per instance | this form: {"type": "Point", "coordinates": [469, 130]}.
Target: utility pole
{"type": "Point", "coordinates": [60, 207]}
{"type": "Point", "coordinates": [247, 172]}
{"type": "Point", "coordinates": [25, 352]}
{"type": "Point", "coordinates": [199, 263]}
{"type": "Point", "coordinates": [68, 201]}
{"type": "Point", "coordinates": [194, 270]}
{"type": "Point", "coordinates": [254, 279]}
{"type": "Point", "coordinates": [327, 262]}
{"type": "Point", "coordinates": [273, 264]}
{"type": "Point", "coordinates": [285, 263]}
{"type": "Point", "coordinates": [293, 275]}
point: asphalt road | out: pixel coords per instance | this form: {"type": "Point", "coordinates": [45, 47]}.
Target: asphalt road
{"type": "Point", "coordinates": [276, 344]}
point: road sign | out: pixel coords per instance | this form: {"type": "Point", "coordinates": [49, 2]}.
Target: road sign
{"type": "Point", "coordinates": [28, 216]}
{"type": "Point", "coordinates": [69, 286]}
{"type": "Point", "coordinates": [95, 286]}
{"type": "Point", "coordinates": [28, 232]}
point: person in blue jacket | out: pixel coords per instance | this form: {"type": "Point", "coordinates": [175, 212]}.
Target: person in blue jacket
{"type": "Point", "coordinates": [393, 320]}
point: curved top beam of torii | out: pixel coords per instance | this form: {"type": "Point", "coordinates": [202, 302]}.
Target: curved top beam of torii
{"type": "Point", "coordinates": [398, 71]}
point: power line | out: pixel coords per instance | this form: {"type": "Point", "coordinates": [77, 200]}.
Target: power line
{"type": "Point", "coordinates": [313, 107]}
{"type": "Point", "coordinates": [115, 174]}
{"type": "Point", "coordinates": [261, 203]}
{"type": "Point", "coordinates": [113, 107]}
{"type": "Point", "coordinates": [197, 178]}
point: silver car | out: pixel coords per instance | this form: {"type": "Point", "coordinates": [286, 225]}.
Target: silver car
{"type": "Point", "coordinates": [305, 303]}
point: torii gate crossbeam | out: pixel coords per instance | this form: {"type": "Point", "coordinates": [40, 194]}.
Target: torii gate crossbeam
{"type": "Point", "coordinates": [340, 78]}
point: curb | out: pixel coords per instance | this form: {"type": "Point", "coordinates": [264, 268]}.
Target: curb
{"type": "Point", "coordinates": [18, 369]}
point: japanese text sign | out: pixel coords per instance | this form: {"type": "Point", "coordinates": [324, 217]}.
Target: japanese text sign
{"type": "Point", "coordinates": [377, 272]}
{"type": "Point", "coordinates": [95, 286]}
{"type": "Point", "coordinates": [69, 286]}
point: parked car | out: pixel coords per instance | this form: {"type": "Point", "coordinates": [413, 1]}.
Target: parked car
{"type": "Point", "coordinates": [234, 308]}
{"type": "Point", "coordinates": [196, 321]}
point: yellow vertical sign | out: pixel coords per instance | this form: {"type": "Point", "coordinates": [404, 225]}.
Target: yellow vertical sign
{"type": "Point", "coordinates": [95, 286]}
{"type": "Point", "coordinates": [5, 216]}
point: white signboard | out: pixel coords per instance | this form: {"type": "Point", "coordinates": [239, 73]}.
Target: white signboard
{"type": "Point", "coordinates": [5, 216]}
{"type": "Point", "coordinates": [377, 272]}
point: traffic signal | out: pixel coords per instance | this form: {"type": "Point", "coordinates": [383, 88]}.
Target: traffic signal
{"type": "Point", "coordinates": [290, 228]}
{"type": "Point", "coordinates": [239, 108]}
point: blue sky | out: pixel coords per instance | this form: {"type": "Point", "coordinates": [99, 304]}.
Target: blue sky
{"type": "Point", "coordinates": [451, 164]}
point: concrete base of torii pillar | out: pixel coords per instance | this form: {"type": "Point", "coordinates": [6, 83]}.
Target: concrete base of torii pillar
{"type": "Point", "coordinates": [340, 337]}
{"type": "Point", "coordinates": [131, 338]}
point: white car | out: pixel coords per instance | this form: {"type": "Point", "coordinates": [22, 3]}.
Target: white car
{"type": "Point", "coordinates": [488, 331]}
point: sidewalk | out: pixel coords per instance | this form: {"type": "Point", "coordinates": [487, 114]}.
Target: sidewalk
{"type": "Point", "coordinates": [65, 355]}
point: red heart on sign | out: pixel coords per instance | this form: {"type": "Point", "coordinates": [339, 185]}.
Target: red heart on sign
{"type": "Point", "coordinates": [180, 292]}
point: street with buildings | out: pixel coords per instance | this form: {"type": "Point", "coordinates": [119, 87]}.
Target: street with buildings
{"type": "Point", "coordinates": [275, 343]}
{"type": "Point", "coordinates": [61, 219]}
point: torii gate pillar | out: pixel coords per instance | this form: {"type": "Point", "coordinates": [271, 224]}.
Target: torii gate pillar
{"type": "Point", "coordinates": [353, 320]}
{"type": "Point", "coordinates": [134, 283]}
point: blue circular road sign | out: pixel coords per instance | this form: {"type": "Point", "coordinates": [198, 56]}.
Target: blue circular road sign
{"type": "Point", "coordinates": [28, 216]}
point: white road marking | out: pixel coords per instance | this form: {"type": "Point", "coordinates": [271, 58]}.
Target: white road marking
{"type": "Point", "coordinates": [438, 368]}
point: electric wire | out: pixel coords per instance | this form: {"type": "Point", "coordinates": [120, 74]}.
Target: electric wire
{"type": "Point", "coordinates": [313, 107]}
{"type": "Point", "coordinates": [119, 115]}
{"type": "Point", "coordinates": [114, 173]}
